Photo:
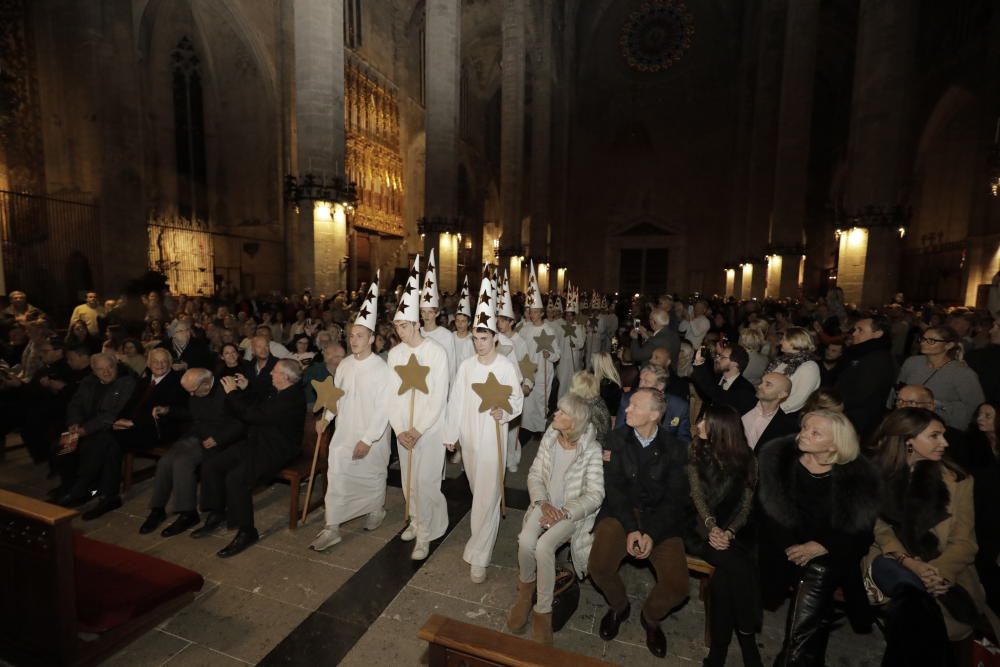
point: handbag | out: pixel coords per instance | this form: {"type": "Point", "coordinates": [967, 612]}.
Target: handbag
{"type": "Point", "coordinates": [565, 597]}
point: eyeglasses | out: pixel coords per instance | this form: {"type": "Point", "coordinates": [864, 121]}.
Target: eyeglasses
{"type": "Point", "coordinates": [932, 341]}
{"type": "Point", "coordinates": [900, 403]}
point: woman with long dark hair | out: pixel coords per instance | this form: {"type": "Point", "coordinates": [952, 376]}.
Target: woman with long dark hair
{"type": "Point", "coordinates": [982, 446]}
{"type": "Point", "coordinates": [922, 561]}
{"type": "Point", "coordinates": [722, 473]}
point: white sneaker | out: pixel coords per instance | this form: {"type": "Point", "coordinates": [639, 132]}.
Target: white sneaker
{"type": "Point", "coordinates": [374, 520]}
{"type": "Point", "coordinates": [478, 574]}
{"type": "Point", "coordinates": [420, 550]}
{"type": "Point", "coordinates": [327, 538]}
{"type": "Point", "coordinates": [410, 533]}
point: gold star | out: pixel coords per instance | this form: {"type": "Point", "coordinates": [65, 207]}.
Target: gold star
{"type": "Point", "coordinates": [327, 395]}
{"type": "Point", "coordinates": [413, 375]}
{"type": "Point", "coordinates": [493, 394]}
{"type": "Point", "coordinates": [527, 366]}
{"type": "Point", "coordinates": [569, 330]}
{"type": "Point", "coordinates": [543, 342]}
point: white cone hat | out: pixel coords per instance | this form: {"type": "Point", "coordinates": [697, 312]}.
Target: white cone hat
{"type": "Point", "coordinates": [429, 297]}
{"type": "Point", "coordinates": [368, 314]}
{"type": "Point", "coordinates": [408, 309]}
{"type": "Point", "coordinates": [505, 305]}
{"type": "Point", "coordinates": [486, 307]}
{"type": "Point", "coordinates": [572, 301]}
{"type": "Point", "coordinates": [464, 301]}
{"type": "Point", "coordinates": [534, 296]}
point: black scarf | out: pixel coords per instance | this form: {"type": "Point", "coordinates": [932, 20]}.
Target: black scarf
{"type": "Point", "coordinates": [916, 501]}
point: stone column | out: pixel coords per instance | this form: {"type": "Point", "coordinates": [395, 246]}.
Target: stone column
{"type": "Point", "coordinates": [319, 241]}
{"type": "Point", "coordinates": [541, 142]}
{"type": "Point", "coordinates": [443, 46]}
{"type": "Point", "coordinates": [879, 150]}
{"type": "Point", "coordinates": [512, 135]}
{"type": "Point", "coordinates": [562, 114]}
{"type": "Point", "coordinates": [760, 181]}
{"type": "Point", "coordinates": [791, 169]}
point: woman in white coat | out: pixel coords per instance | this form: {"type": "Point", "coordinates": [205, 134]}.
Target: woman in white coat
{"type": "Point", "coordinates": [566, 485]}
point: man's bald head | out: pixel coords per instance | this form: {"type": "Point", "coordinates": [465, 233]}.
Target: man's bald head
{"type": "Point", "coordinates": [774, 387]}
{"type": "Point", "coordinates": [915, 396]}
{"type": "Point", "coordinates": [195, 379]}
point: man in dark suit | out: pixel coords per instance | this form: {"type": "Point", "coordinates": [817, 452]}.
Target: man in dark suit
{"type": "Point", "coordinates": [726, 386]}
{"type": "Point", "coordinates": [662, 336]}
{"type": "Point", "coordinates": [676, 417]}
{"type": "Point", "coordinates": [261, 364]}
{"type": "Point", "coordinates": [868, 374]}
{"type": "Point", "coordinates": [645, 512]}
{"type": "Point", "coordinates": [766, 420]}
{"type": "Point", "coordinates": [159, 387]}
{"type": "Point", "coordinates": [188, 351]}
{"type": "Point", "coordinates": [275, 426]}
{"type": "Point", "coordinates": [211, 427]}
{"type": "Point", "coordinates": [98, 402]}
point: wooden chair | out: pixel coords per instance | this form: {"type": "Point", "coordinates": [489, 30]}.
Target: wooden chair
{"type": "Point", "coordinates": [130, 475]}
{"type": "Point", "coordinates": [454, 643]}
{"type": "Point", "coordinates": [298, 472]}
{"type": "Point", "coordinates": [704, 572]}
{"type": "Point", "coordinates": [70, 600]}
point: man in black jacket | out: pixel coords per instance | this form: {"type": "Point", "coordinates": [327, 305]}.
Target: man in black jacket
{"type": "Point", "coordinates": [645, 513]}
{"type": "Point", "coordinates": [261, 364]}
{"type": "Point", "coordinates": [868, 374]}
{"type": "Point", "coordinates": [662, 336]}
{"type": "Point", "coordinates": [274, 439]}
{"type": "Point", "coordinates": [137, 429]}
{"type": "Point", "coordinates": [212, 427]}
{"type": "Point", "coordinates": [96, 405]}
{"type": "Point", "coordinates": [188, 351]}
{"type": "Point", "coordinates": [726, 386]}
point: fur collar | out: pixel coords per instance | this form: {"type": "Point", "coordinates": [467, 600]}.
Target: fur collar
{"type": "Point", "coordinates": [855, 488]}
{"type": "Point", "coordinates": [915, 502]}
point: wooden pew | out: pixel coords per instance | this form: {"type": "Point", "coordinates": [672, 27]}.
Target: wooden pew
{"type": "Point", "coordinates": [53, 609]}
{"type": "Point", "coordinates": [704, 572]}
{"type": "Point", "coordinates": [454, 643]}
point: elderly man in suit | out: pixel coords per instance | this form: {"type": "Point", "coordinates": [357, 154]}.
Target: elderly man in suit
{"type": "Point", "coordinates": [662, 336]}
{"type": "Point", "coordinates": [275, 426]}
{"type": "Point", "coordinates": [160, 386]}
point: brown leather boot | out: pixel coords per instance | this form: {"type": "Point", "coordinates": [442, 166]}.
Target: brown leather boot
{"type": "Point", "coordinates": [541, 628]}
{"type": "Point", "coordinates": [517, 619]}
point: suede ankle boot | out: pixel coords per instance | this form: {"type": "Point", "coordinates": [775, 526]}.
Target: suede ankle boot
{"type": "Point", "coordinates": [517, 619]}
{"type": "Point", "coordinates": [541, 628]}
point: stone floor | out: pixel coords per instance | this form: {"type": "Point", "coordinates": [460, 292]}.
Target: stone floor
{"type": "Point", "coordinates": [251, 603]}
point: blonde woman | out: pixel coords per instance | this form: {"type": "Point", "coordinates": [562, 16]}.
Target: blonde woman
{"type": "Point", "coordinates": [584, 386]}
{"type": "Point", "coordinates": [752, 340]}
{"type": "Point", "coordinates": [608, 380]}
{"type": "Point", "coordinates": [797, 361]}
{"type": "Point", "coordinates": [566, 485]}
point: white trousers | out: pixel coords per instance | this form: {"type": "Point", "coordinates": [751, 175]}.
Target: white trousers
{"type": "Point", "coordinates": [536, 555]}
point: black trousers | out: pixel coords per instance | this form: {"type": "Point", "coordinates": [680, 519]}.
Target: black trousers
{"type": "Point", "coordinates": [229, 477]}
{"type": "Point", "coordinates": [100, 465]}
{"type": "Point", "coordinates": [734, 594]}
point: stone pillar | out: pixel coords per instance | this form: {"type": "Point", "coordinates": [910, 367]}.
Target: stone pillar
{"type": "Point", "coordinates": [319, 239]}
{"type": "Point", "coordinates": [562, 115]}
{"type": "Point", "coordinates": [763, 133]}
{"type": "Point", "coordinates": [512, 134]}
{"type": "Point", "coordinates": [879, 151]}
{"type": "Point", "coordinates": [443, 45]}
{"type": "Point", "coordinates": [541, 141]}
{"type": "Point", "coordinates": [791, 170]}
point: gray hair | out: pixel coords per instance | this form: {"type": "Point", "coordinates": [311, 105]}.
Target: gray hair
{"type": "Point", "coordinates": [291, 368]}
{"type": "Point", "coordinates": [660, 316]}
{"type": "Point", "coordinates": [158, 351]}
{"type": "Point", "coordinates": [105, 356]}
{"type": "Point", "coordinates": [197, 375]}
{"type": "Point", "coordinates": [661, 373]}
{"type": "Point", "coordinates": [578, 410]}
{"type": "Point", "coordinates": [658, 402]}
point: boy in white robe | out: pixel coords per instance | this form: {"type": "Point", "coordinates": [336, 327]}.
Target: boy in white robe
{"type": "Point", "coordinates": [513, 347]}
{"type": "Point", "coordinates": [483, 444]}
{"type": "Point", "coordinates": [430, 303]}
{"type": "Point", "coordinates": [533, 332]}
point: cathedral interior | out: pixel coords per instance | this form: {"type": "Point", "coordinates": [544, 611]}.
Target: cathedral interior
{"type": "Point", "coordinates": [754, 149]}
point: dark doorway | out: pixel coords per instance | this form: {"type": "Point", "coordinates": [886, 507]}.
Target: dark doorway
{"type": "Point", "coordinates": [643, 270]}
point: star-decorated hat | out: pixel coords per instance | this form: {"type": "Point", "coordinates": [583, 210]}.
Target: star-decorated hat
{"type": "Point", "coordinates": [572, 301]}
{"type": "Point", "coordinates": [556, 303]}
{"type": "Point", "coordinates": [368, 314]}
{"type": "Point", "coordinates": [505, 305]}
{"type": "Point", "coordinates": [429, 297]}
{"type": "Point", "coordinates": [408, 309]}
{"type": "Point", "coordinates": [486, 307]}
{"type": "Point", "coordinates": [464, 301]}
{"type": "Point", "coordinates": [595, 301]}
{"type": "Point", "coordinates": [534, 297]}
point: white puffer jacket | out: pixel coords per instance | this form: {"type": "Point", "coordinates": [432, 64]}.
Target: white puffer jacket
{"type": "Point", "coordinates": [584, 488]}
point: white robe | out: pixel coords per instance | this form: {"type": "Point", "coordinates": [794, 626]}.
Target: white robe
{"type": "Point", "coordinates": [428, 509]}
{"type": "Point", "coordinates": [514, 349]}
{"type": "Point", "coordinates": [568, 355]}
{"type": "Point", "coordinates": [446, 340]}
{"type": "Point", "coordinates": [356, 488]}
{"type": "Point", "coordinates": [595, 337]}
{"type": "Point", "coordinates": [536, 405]}
{"type": "Point", "coordinates": [463, 347]}
{"type": "Point", "coordinates": [482, 452]}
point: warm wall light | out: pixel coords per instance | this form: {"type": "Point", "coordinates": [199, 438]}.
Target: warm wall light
{"type": "Point", "coordinates": [856, 236]}
{"type": "Point", "coordinates": [322, 212]}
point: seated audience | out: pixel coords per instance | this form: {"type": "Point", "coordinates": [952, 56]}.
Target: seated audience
{"type": "Point", "coordinates": [584, 386]}
{"type": "Point", "coordinates": [726, 385]}
{"type": "Point", "coordinates": [983, 461]}
{"type": "Point", "coordinates": [141, 425]}
{"type": "Point", "coordinates": [940, 368]}
{"type": "Point", "coordinates": [722, 475]}
{"type": "Point", "coordinates": [925, 544]}
{"type": "Point", "coordinates": [824, 399]}
{"type": "Point", "coordinates": [566, 487]}
{"type": "Point", "coordinates": [644, 515]}
{"type": "Point", "coordinates": [210, 426]}
{"type": "Point", "coordinates": [609, 380]}
{"type": "Point", "coordinates": [867, 375]}
{"type": "Point", "coordinates": [752, 340]}
{"type": "Point", "coordinates": [796, 360]}
{"type": "Point", "coordinates": [831, 363]}
{"type": "Point", "coordinates": [819, 500]}
{"type": "Point", "coordinates": [130, 353]}
{"type": "Point", "coordinates": [766, 420]}
{"type": "Point", "coordinates": [230, 362]}
{"type": "Point", "coordinates": [277, 350]}
{"type": "Point", "coordinates": [275, 424]}
{"type": "Point", "coordinates": [187, 350]}
{"type": "Point", "coordinates": [676, 420]}
{"type": "Point", "coordinates": [79, 334]}
{"type": "Point", "coordinates": [333, 354]}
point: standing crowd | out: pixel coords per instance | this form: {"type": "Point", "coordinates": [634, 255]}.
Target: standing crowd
{"type": "Point", "coordinates": [847, 460]}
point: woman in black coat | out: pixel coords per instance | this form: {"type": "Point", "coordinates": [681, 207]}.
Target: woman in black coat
{"type": "Point", "coordinates": [722, 474]}
{"type": "Point", "coordinates": [819, 500]}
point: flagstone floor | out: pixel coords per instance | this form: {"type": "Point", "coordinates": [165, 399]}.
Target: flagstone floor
{"type": "Point", "coordinates": [278, 602]}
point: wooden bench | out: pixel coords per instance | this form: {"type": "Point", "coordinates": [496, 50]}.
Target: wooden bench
{"type": "Point", "coordinates": [453, 643]}
{"type": "Point", "coordinates": [294, 475]}
{"type": "Point", "coordinates": [68, 600]}
{"type": "Point", "coordinates": [704, 571]}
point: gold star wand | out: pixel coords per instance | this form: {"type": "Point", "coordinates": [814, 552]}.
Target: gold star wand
{"type": "Point", "coordinates": [413, 378]}
{"type": "Point", "coordinates": [494, 395]}
{"type": "Point", "coordinates": [327, 395]}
